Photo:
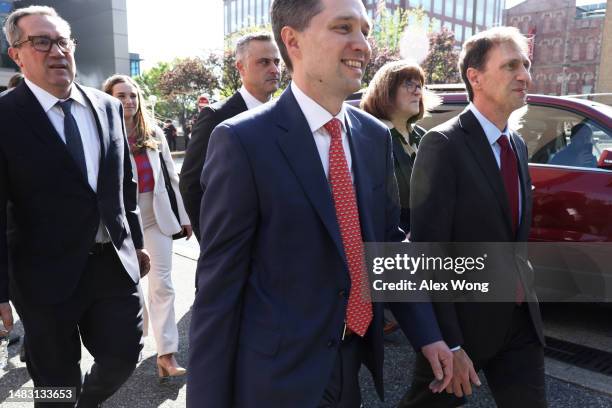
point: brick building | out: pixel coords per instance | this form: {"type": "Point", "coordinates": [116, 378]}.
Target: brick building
{"type": "Point", "coordinates": [566, 43]}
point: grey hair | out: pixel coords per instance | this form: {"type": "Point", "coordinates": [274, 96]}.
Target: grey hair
{"type": "Point", "coordinates": [243, 42]}
{"type": "Point", "coordinates": [11, 29]}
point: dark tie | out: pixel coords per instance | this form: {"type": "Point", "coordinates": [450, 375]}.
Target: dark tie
{"type": "Point", "coordinates": [509, 172]}
{"type": "Point", "coordinates": [359, 308]}
{"type": "Point", "coordinates": [74, 144]}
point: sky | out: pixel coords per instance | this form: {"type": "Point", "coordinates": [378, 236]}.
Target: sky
{"type": "Point", "coordinates": [162, 30]}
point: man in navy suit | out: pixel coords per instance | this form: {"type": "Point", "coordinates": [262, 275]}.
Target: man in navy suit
{"type": "Point", "coordinates": [70, 235]}
{"type": "Point", "coordinates": [282, 316]}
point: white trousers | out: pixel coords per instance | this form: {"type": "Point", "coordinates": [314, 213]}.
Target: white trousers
{"type": "Point", "coordinates": [161, 292]}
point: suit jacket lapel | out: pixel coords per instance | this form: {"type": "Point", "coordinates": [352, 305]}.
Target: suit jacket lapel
{"type": "Point", "coordinates": [298, 146]}
{"type": "Point", "coordinates": [481, 149]}
{"type": "Point", "coordinates": [34, 115]}
{"type": "Point", "coordinates": [100, 117]}
{"type": "Point", "coordinates": [363, 185]}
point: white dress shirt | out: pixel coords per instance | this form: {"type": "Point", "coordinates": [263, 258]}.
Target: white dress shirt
{"type": "Point", "coordinates": [250, 101]}
{"type": "Point", "coordinates": [87, 128]}
{"type": "Point", "coordinates": [317, 117]}
{"type": "Point", "coordinates": [493, 133]}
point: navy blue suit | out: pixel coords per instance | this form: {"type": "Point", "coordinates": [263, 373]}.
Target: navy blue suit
{"type": "Point", "coordinates": [272, 279]}
{"type": "Point", "coordinates": [65, 288]}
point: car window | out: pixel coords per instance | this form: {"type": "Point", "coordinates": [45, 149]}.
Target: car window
{"type": "Point", "coordinates": [563, 138]}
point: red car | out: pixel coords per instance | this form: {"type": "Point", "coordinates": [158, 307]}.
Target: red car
{"type": "Point", "coordinates": [570, 162]}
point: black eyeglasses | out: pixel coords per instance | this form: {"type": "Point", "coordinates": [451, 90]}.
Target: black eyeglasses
{"type": "Point", "coordinates": [412, 86]}
{"type": "Point", "coordinates": [43, 43]}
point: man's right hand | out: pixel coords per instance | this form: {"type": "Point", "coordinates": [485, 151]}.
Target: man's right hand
{"type": "Point", "coordinates": [6, 314]}
{"type": "Point", "coordinates": [464, 375]}
{"type": "Point", "coordinates": [441, 360]}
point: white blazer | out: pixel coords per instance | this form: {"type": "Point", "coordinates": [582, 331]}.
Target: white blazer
{"type": "Point", "coordinates": [166, 221]}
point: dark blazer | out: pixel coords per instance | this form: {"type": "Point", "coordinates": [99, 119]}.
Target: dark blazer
{"type": "Point", "coordinates": [402, 164]}
{"type": "Point", "coordinates": [191, 171]}
{"type": "Point", "coordinates": [457, 195]}
{"type": "Point", "coordinates": [54, 213]}
{"type": "Point", "coordinates": [272, 278]}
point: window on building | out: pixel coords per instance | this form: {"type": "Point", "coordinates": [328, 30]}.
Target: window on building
{"type": "Point", "coordinates": [590, 49]}
{"type": "Point", "coordinates": [436, 25]}
{"type": "Point", "coordinates": [437, 6]}
{"type": "Point", "coordinates": [134, 68]}
{"type": "Point", "coordinates": [226, 26]}
{"type": "Point", "coordinates": [266, 4]}
{"type": "Point", "coordinates": [469, 11]}
{"type": "Point", "coordinates": [468, 32]}
{"type": "Point", "coordinates": [480, 12]}
{"type": "Point", "coordinates": [425, 23]}
{"type": "Point", "coordinates": [489, 15]}
{"type": "Point", "coordinates": [233, 16]}
{"type": "Point", "coordinates": [449, 9]}
{"type": "Point", "coordinates": [459, 32]}
{"type": "Point", "coordinates": [459, 9]}
{"type": "Point", "coordinates": [252, 15]}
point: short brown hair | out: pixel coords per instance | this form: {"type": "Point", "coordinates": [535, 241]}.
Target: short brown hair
{"type": "Point", "coordinates": [295, 14]}
{"type": "Point", "coordinates": [379, 98]}
{"type": "Point", "coordinates": [475, 50]}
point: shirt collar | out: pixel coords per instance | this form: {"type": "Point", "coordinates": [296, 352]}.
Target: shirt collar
{"type": "Point", "coordinates": [48, 101]}
{"type": "Point", "coordinates": [315, 114]}
{"type": "Point", "coordinates": [250, 101]}
{"type": "Point", "coordinates": [491, 131]}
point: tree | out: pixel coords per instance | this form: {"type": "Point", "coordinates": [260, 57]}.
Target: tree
{"type": "Point", "coordinates": [186, 80]}
{"type": "Point", "coordinates": [440, 66]}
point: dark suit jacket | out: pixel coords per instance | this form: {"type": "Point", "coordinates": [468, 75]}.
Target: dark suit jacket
{"type": "Point", "coordinates": [272, 278]}
{"type": "Point", "coordinates": [54, 213]}
{"type": "Point", "coordinates": [402, 163]}
{"type": "Point", "coordinates": [191, 171]}
{"type": "Point", "coordinates": [457, 195]}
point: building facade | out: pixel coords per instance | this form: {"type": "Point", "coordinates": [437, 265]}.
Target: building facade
{"type": "Point", "coordinates": [463, 17]}
{"type": "Point", "coordinates": [100, 27]}
{"type": "Point", "coordinates": [566, 56]}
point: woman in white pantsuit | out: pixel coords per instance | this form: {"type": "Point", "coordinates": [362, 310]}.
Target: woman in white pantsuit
{"type": "Point", "coordinates": [158, 220]}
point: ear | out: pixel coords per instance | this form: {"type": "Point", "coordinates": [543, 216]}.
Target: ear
{"type": "Point", "coordinates": [240, 67]}
{"type": "Point", "coordinates": [14, 54]}
{"type": "Point", "coordinates": [473, 75]}
{"type": "Point", "coordinates": [290, 38]}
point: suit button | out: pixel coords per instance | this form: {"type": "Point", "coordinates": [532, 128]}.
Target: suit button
{"type": "Point", "coordinates": [331, 343]}
{"type": "Point", "coordinates": [342, 294]}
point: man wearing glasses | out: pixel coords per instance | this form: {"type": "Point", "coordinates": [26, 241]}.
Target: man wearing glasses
{"type": "Point", "coordinates": [70, 245]}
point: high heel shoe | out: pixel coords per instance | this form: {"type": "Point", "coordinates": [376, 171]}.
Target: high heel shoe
{"type": "Point", "coordinates": [168, 367]}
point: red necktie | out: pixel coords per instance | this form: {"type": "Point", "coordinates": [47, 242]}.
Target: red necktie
{"type": "Point", "coordinates": [359, 309]}
{"type": "Point", "coordinates": [509, 172]}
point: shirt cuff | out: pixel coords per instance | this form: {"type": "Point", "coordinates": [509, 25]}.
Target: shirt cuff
{"type": "Point", "coordinates": [457, 348]}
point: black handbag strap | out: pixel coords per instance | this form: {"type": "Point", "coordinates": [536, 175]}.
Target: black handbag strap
{"type": "Point", "coordinates": [168, 185]}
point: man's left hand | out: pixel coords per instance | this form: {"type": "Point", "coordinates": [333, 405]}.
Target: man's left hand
{"type": "Point", "coordinates": [441, 360]}
{"type": "Point", "coordinates": [144, 261]}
